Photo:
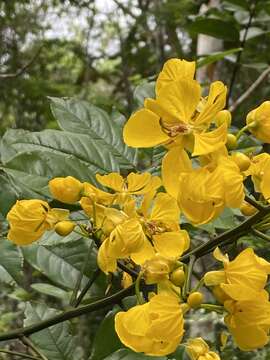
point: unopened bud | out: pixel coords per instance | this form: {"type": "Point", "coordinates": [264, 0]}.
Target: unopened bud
{"type": "Point", "coordinates": [195, 299]}
{"type": "Point", "coordinates": [241, 160]}
{"type": "Point", "coordinates": [231, 142]}
{"type": "Point", "coordinates": [178, 277]}
{"type": "Point", "coordinates": [64, 228]}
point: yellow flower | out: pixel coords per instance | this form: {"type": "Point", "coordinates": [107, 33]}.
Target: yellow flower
{"type": "Point", "coordinates": [204, 192]}
{"type": "Point", "coordinates": [179, 115]}
{"type": "Point", "coordinates": [247, 269]}
{"type": "Point", "coordinates": [260, 174]}
{"type": "Point", "coordinates": [134, 184]}
{"type": "Point", "coordinates": [155, 328]}
{"type": "Point", "coordinates": [258, 121]}
{"type": "Point", "coordinates": [125, 240]}
{"type": "Point", "coordinates": [160, 219]}
{"type": "Point", "coordinates": [198, 349]}
{"type": "Point", "coordinates": [249, 320]}
{"type": "Point", "coordinates": [67, 190]}
{"type": "Point", "coordinates": [29, 219]}
{"type": "Point", "coordinates": [157, 269]}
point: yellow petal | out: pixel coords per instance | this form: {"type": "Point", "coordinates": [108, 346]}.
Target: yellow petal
{"type": "Point", "coordinates": [180, 99]}
{"type": "Point", "coordinates": [171, 244]}
{"type": "Point", "coordinates": [143, 130]}
{"type": "Point", "coordinates": [137, 182]}
{"type": "Point", "coordinates": [113, 181]}
{"type": "Point", "coordinates": [220, 256]}
{"type": "Point", "coordinates": [216, 101]}
{"type": "Point", "coordinates": [106, 262]}
{"type": "Point", "coordinates": [178, 160]}
{"type": "Point", "coordinates": [213, 278]}
{"type": "Point", "coordinates": [265, 183]}
{"type": "Point", "coordinates": [165, 209]}
{"type": "Point", "coordinates": [146, 253]}
{"type": "Point", "coordinates": [173, 70]}
{"type": "Point", "coordinates": [208, 142]}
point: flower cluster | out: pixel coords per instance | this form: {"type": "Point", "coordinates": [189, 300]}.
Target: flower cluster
{"type": "Point", "coordinates": [135, 220]}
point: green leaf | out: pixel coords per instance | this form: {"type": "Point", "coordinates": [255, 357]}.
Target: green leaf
{"type": "Point", "coordinates": [55, 342]}
{"type": "Point", "coordinates": [125, 354]}
{"type": "Point", "coordinates": [238, 4]}
{"type": "Point", "coordinates": [8, 194]}
{"type": "Point", "coordinates": [216, 28]}
{"type": "Point", "coordinates": [77, 116]}
{"type": "Point", "coordinates": [143, 91]}
{"type": "Point", "coordinates": [11, 262]}
{"type": "Point", "coordinates": [51, 290]}
{"type": "Point", "coordinates": [106, 331]}
{"type": "Point", "coordinates": [253, 32]}
{"type": "Point", "coordinates": [61, 264]}
{"type": "Point", "coordinates": [89, 152]}
{"type": "Point", "coordinates": [206, 60]}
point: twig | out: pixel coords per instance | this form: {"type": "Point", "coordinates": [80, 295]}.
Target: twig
{"type": "Point", "coordinates": [186, 287]}
{"type": "Point", "coordinates": [260, 234]}
{"type": "Point", "coordinates": [254, 203]}
{"type": "Point", "coordinates": [242, 45]}
{"type": "Point", "coordinates": [79, 279]}
{"type": "Point", "coordinates": [125, 9]}
{"type": "Point", "coordinates": [87, 287]}
{"type": "Point", "coordinates": [15, 353]}
{"type": "Point", "coordinates": [227, 237]}
{"type": "Point", "coordinates": [69, 314]}
{"type": "Point", "coordinates": [27, 342]}
{"type": "Point", "coordinates": [250, 90]}
{"type": "Point", "coordinates": [23, 69]}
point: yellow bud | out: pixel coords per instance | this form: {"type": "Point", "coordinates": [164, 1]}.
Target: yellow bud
{"type": "Point", "coordinates": [231, 142]}
{"type": "Point", "coordinates": [67, 190]}
{"type": "Point", "coordinates": [241, 160]}
{"type": "Point", "coordinates": [247, 209]}
{"type": "Point", "coordinates": [195, 299]}
{"type": "Point", "coordinates": [64, 228]}
{"type": "Point", "coordinates": [223, 116]}
{"type": "Point", "coordinates": [178, 277]}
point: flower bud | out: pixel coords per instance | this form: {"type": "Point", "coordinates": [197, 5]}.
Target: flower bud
{"type": "Point", "coordinates": [178, 277]}
{"type": "Point", "coordinates": [231, 142]}
{"type": "Point", "coordinates": [241, 160]}
{"type": "Point", "coordinates": [223, 116]}
{"type": "Point", "coordinates": [64, 228]}
{"type": "Point", "coordinates": [195, 299]}
{"type": "Point", "coordinates": [67, 190]}
{"type": "Point", "coordinates": [247, 209]}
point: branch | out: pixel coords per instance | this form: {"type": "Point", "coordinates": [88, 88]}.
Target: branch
{"type": "Point", "coordinates": [69, 314]}
{"type": "Point", "coordinates": [242, 45]}
{"type": "Point", "coordinates": [23, 69]}
{"type": "Point", "coordinates": [250, 90]}
{"type": "Point", "coordinates": [227, 237]}
{"type": "Point", "coordinates": [15, 353]}
{"type": "Point", "coordinates": [254, 203]}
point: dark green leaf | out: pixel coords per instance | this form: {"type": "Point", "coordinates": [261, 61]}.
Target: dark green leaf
{"type": "Point", "coordinates": [106, 331]}
{"type": "Point", "coordinates": [55, 342]}
{"type": "Point", "coordinates": [216, 28]}
{"type": "Point", "coordinates": [143, 91]}
{"type": "Point", "coordinates": [11, 261]}
{"type": "Point", "coordinates": [51, 290]}
{"type": "Point", "coordinates": [125, 354]}
{"type": "Point", "coordinates": [206, 60]}
{"type": "Point", "coordinates": [78, 116]}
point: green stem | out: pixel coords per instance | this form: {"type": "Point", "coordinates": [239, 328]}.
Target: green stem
{"type": "Point", "coordinates": [229, 236]}
{"type": "Point", "coordinates": [69, 314]}
{"type": "Point", "coordinates": [27, 342]}
{"type": "Point", "coordinates": [87, 287]}
{"type": "Point", "coordinates": [137, 289]}
{"type": "Point", "coordinates": [79, 279]}
{"type": "Point", "coordinates": [199, 284]}
{"type": "Point", "coordinates": [15, 353]}
{"type": "Point", "coordinates": [241, 131]}
{"type": "Point", "coordinates": [186, 287]}
{"type": "Point", "coordinates": [261, 235]}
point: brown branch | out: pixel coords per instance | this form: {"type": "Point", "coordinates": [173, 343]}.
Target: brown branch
{"type": "Point", "coordinates": [250, 90]}
{"type": "Point", "coordinates": [23, 69]}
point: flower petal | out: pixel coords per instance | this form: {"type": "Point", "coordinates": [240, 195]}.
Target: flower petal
{"type": "Point", "coordinates": [171, 244]}
{"type": "Point", "coordinates": [143, 130]}
{"type": "Point", "coordinates": [208, 142]}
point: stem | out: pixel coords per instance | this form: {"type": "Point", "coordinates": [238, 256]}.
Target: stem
{"type": "Point", "coordinates": [79, 279]}
{"type": "Point", "coordinates": [69, 314]}
{"type": "Point", "coordinates": [199, 284]}
{"type": "Point", "coordinates": [137, 289]}
{"type": "Point", "coordinates": [86, 288]}
{"type": "Point", "coordinates": [227, 237]}
{"type": "Point", "coordinates": [186, 287]}
{"type": "Point", "coordinates": [29, 344]}
{"type": "Point", "coordinates": [241, 131]}
{"type": "Point", "coordinates": [15, 353]}
{"type": "Point", "coordinates": [253, 202]}
{"type": "Point", "coordinates": [261, 235]}
{"type": "Point", "coordinates": [242, 45]}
